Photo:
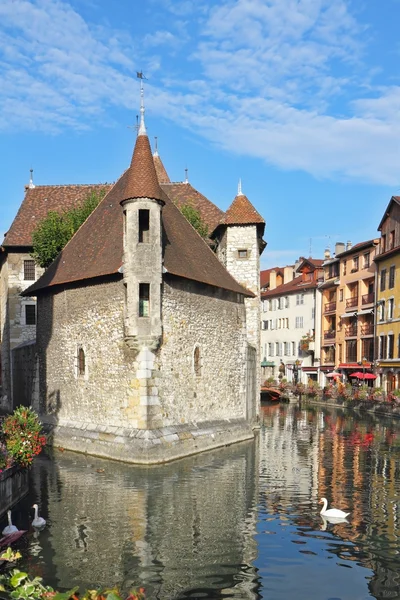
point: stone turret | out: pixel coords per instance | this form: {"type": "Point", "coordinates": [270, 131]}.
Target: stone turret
{"type": "Point", "coordinates": [240, 245]}
{"type": "Point", "coordinates": [142, 263]}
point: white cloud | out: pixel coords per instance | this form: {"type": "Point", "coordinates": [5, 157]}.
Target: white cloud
{"type": "Point", "coordinates": [281, 80]}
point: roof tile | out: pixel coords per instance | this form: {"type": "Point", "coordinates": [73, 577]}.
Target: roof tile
{"type": "Point", "coordinates": [39, 201]}
{"type": "Point", "coordinates": [242, 212]}
{"type": "Point", "coordinates": [141, 181]}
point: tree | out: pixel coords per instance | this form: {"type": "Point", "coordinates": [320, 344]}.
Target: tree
{"type": "Point", "coordinates": [56, 229]}
{"type": "Point", "coordinates": [194, 218]}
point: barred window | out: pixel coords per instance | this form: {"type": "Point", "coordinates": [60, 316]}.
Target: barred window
{"type": "Point", "coordinates": [144, 299]}
{"type": "Point", "coordinates": [197, 361]}
{"type": "Point", "coordinates": [29, 270]}
{"type": "Point", "coordinates": [81, 361]}
{"type": "Point", "coordinates": [30, 314]}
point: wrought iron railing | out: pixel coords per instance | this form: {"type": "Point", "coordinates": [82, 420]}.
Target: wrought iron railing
{"type": "Point", "coordinates": [351, 302]}
{"type": "Point", "coordinates": [329, 334]}
{"type": "Point", "coordinates": [368, 298]}
{"type": "Point", "coordinates": [330, 307]}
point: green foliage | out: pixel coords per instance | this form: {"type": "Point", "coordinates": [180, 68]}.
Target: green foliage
{"type": "Point", "coordinates": [22, 435]}
{"type": "Point", "coordinates": [55, 230]}
{"type": "Point", "coordinates": [194, 218]}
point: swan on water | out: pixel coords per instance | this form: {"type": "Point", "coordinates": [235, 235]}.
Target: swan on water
{"type": "Point", "coordinates": [38, 521]}
{"type": "Point", "coordinates": [10, 527]}
{"type": "Point", "coordinates": [332, 512]}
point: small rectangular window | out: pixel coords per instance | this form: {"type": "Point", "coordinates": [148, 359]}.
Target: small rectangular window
{"type": "Point", "coordinates": [144, 226]}
{"type": "Point", "coordinates": [242, 253]}
{"type": "Point", "coordinates": [30, 314]}
{"type": "Point", "coordinates": [367, 260]}
{"type": "Point", "coordinates": [144, 299]}
{"type": "Point", "coordinates": [29, 270]}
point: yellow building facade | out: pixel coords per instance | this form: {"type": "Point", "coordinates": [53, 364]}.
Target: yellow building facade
{"type": "Point", "coordinates": [387, 259]}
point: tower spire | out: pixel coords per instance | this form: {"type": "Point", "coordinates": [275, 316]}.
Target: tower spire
{"type": "Point", "coordinates": [239, 192]}
{"type": "Point", "coordinates": [155, 153]}
{"type": "Point", "coordinates": [31, 184]}
{"type": "Point", "coordinates": [142, 126]}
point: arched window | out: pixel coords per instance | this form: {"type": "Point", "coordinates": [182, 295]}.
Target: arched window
{"type": "Point", "coordinates": [197, 361]}
{"type": "Point", "coordinates": [81, 362]}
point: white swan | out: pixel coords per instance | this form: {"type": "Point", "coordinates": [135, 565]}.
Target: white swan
{"type": "Point", "coordinates": [332, 512]}
{"type": "Point", "coordinates": [10, 527]}
{"type": "Point", "coordinates": [38, 522]}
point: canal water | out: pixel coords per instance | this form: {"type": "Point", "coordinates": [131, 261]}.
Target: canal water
{"type": "Point", "coordinates": [240, 522]}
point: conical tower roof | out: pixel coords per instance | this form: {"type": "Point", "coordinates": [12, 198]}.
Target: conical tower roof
{"type": "Point", "coordinates": [161, 172]}
{"type": "Point", "coordinates": [142, 179]}
{"type": "Point", "coordinates": [242, 212]}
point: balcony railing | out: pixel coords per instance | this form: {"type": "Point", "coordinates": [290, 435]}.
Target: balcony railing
{"type": "Point", "coordinates": [330, 307]}
{"type": "Point", "coordinates": [367, 329]}
{"type": "Point", "coordinates": [367, 298]}
{"type": "Point", "coordinates": [351, 302]}
{"type": "Point", "coordinates": [329, 334]}
{"type": "Point", "coordinates": [350, 331]}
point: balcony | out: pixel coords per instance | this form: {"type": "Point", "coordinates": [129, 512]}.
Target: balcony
{"type": "Point", "coordinates": [351, 331]}
{"type": "Point", "coordinates": [352, 302]}
{"type": "Point", "coordinates": [330, 307]}
{"type": "Point", "coordinates": [329, 334]}
{"type": "Point", "coordinates": [329, 359]}
{"type": "Point", "coordinates": [367, 329]}
{"type": "Point", "coordinates": [368, 298]}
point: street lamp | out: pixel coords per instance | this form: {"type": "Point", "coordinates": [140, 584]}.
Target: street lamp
{"type": "Point", "coordinates": [364, 363]}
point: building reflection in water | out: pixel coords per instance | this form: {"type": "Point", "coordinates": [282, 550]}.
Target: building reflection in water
{"type": "Point", "coordinates": [174, 529]}
{"type": "Point", "coordinates": [353, 461]}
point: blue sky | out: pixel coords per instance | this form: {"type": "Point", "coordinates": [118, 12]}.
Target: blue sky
{"type": "Point", "coordinates": [298, 98]}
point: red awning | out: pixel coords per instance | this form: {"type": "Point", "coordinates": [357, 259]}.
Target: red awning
{"type": "Point", "coordinates": [360, 375]}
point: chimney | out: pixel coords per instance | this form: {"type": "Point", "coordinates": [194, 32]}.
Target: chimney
{"type": "Point", "coordinates": [272, 280]}
{"type": "Point", "coordinates": [287, 274]}
{"type": "Point", "coordinates": [339, 247]}
{"type": "Point", "coordinates": [327, 253]}
{"type": "Point", "coordinates": [349, 245]}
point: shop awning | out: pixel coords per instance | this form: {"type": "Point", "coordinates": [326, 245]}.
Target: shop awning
{"type": "Point", "coordinates": [366, 312]}
{"type": "Point", "coordinates": [349, 314]}
{"type": "Point", "coordinates": [267, 363]}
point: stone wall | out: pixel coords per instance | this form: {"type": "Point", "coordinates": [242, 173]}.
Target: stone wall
{"type": "Point", "coordinates": [214, 321]}
{"type": "Point", "coordinates": [14, 485]}
{"type": "Point", "coordinates": [144, 407]}
{"type": "Point", "coordinates": [25, 370]}
{"type": "Point", "coordinates": [14, 329]}
{"type": "Point", "coordinates": [90, 318]}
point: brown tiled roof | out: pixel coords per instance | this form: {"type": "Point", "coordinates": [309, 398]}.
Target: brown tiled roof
{"type": "Point", "coordinates": [162, 174]}
{"type": "Point", "coordinates": [242, 212]}
{"type": "Point", "coordinates": [39, 201]}
{"type": "Point", "coordinates": [264, 275]}
{"type": "Point", "coordinates": [296, 285]}
{"type": "Point", "coordinates": [97, 247]}
{"type": "Point", "coordinates": [183, 193]}
{"type": "Point", "coordinates": [142, 179]}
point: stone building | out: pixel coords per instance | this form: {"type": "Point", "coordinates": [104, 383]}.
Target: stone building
{"type": "Point", "coordinates": [18, 271]}
{"type": "Point", "coordinates": [146, 342]}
